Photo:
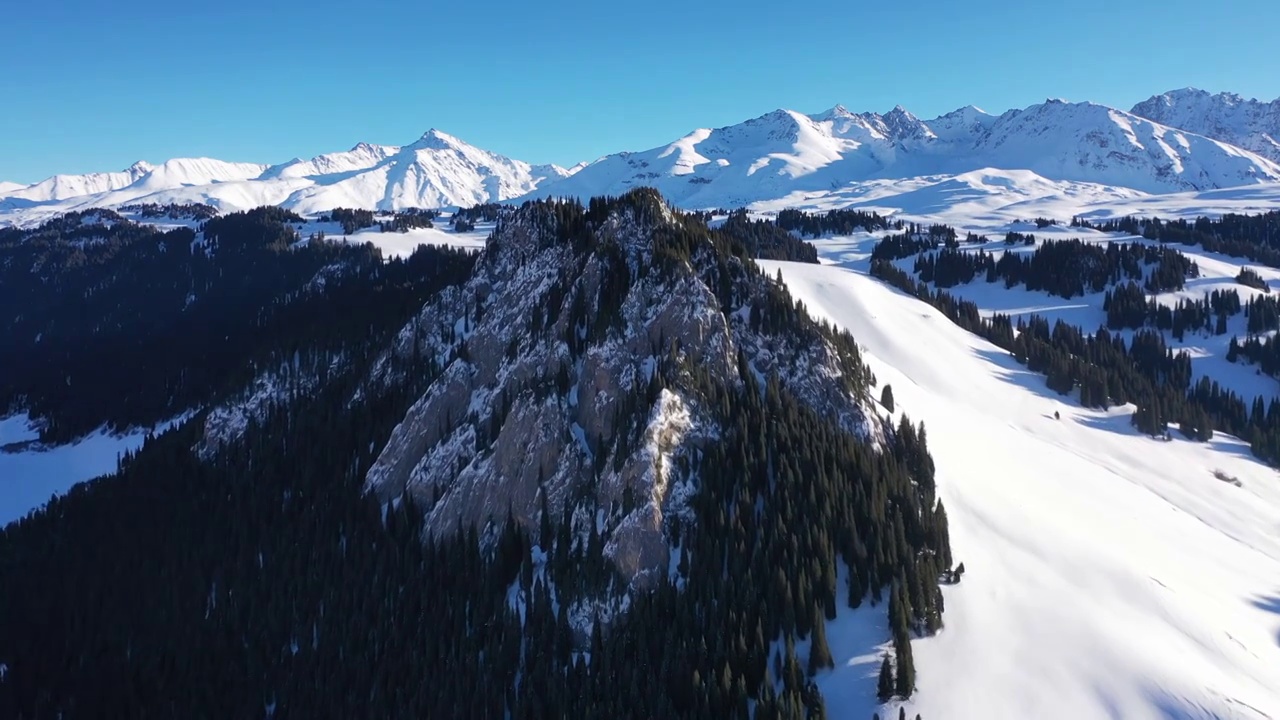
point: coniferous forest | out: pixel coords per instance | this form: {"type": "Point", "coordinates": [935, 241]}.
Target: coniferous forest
{"type": "Point", "coordinates": [259, 580]}
{"type": "Point", "coordinates": [1256, 237]}
{"type": "Point", "coordinates": [1105, 368]}
{"type": "Point", "coordinates": [122, 325]}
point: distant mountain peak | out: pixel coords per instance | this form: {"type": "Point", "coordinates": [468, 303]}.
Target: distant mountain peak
{"type": "Point", "coordinates": [1199, 94]}
{"type": "Point", "coordinates": [966, 112]}
{"type": "Point", "coordinates": [839, 111]}
{"type": "Point", "coordinates": [1226, 117]}
{"type": "Point", "coordinates": [438, 139]}
{"type": "Point", "coordinates": [780, 116]}
{"type": "Point", "coordinates": [903, 125]}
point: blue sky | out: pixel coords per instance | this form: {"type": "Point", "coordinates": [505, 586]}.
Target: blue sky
{"type": "Point", "coordinates": [91, 86]}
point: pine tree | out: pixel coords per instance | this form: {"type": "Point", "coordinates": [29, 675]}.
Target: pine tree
{"type": "Point", "coordinates": [905, 677]}
{"type": "Point", "coordinates": [885, 684]}
{"type": "Point", "coordinates": [819, 652]}
{"type": "Point", "coordinates": [886, 398]}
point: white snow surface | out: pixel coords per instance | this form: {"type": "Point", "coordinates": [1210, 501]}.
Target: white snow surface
{"type": "Point", "coordinates": [30, 473]}
{"type": "Point", "coordinates": [1108, 575]}
{"type": "Point", "coordinates": [992, 200]}
{"type": "Point", "coordinates": [402, 244]}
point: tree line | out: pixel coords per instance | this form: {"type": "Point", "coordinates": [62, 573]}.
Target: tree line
{"type": "Point", "coordinates": [1066, 268]}
{"type": "Point", "coordinates": [1256, 237]}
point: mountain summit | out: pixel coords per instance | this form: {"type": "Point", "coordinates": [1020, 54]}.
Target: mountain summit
{"type": "Point", "coordinates": [1251, 124]}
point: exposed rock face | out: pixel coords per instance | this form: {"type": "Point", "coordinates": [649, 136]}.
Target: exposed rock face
{"type": "Point", "coordinates": [570, 364]}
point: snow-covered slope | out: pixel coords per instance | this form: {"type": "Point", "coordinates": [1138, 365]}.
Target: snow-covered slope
{"type": "Point", "coordinates": [1092, 143]}
{"type": "Point", "coordinates": [437, 170]}
{"type": "Point", "coordinates": [1251, 124]}
{"type": "Point", "coordinates": [991, 200]}
{"type": "Point", "coordinates": [784, 153]}
{"type": "Point", "coordinates": [1109, 575]}
{"type": "Point", "coordinates": [31, 473]}
{"type": "Point", "coordinates": [64, 187]}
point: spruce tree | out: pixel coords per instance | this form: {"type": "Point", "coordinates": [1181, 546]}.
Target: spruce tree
{"type": "Point", "coordinates": [905, 677]}
{"type": "Point", "coordinates": [885, 683]}
{"type": "Point", "coordinates": [819, 652]}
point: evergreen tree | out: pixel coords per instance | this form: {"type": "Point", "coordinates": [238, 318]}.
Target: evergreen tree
{"type": "Point", "coordinates": [819, 652]}
{"type": "Point", "coordinates": [885, 684]}
{"type": "Point", "coordinates": [905, 677]}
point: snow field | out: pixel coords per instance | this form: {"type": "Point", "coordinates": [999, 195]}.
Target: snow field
{"type": "Point", "coordinates": [1108, 574]}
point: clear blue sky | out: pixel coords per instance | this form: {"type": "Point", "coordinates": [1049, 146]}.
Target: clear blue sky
{"type": "Point", "coordinates": [87, 85]}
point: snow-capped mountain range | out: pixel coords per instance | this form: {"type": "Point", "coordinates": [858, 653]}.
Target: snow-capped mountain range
{"type": "Point", "coordinates": [437, 170]}
{"type": "Point", "coordinates": [1181, 141]}
{"type": "Point", "coordinates": [784, 153]}
{"type": "Point", "coordinates": [1250, 124]}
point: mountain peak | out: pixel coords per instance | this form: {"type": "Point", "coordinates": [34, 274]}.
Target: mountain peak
{"type": "Point", "coordinates": [778, 115]}
{"type": "Point", "coordinates": [141, 167]}
{"type": "Point", "coordinates": [835, 112]}
{"type": "Point", "coordinates": [439, 140]}
{"type": "Point", "coordinates": [903, 125]}
{"type": "Point", "coordinates": [967, 111]}
{"type": "Point", "coordinates": [1226, 117]}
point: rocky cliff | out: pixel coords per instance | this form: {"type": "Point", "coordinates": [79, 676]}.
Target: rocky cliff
{"type": "Point", "coordinates": [579, 373]}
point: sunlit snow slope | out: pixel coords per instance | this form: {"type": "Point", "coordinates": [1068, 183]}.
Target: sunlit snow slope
{"type": "Point", "coordinates": [1108, 575]}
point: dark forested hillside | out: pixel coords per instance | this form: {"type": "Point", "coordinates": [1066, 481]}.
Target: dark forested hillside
{"type": "Point", "coordinates": [834, 222]}
{"type": "Point", "coordinates": [263, 580]}
{"type": "Point", "coordinates": [767, 240]}
{"type": "Point", "coordinates": [103, 321]}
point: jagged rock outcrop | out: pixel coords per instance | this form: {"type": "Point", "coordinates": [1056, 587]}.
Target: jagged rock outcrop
{"type": "Point", "coordinates": [574, 365]}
